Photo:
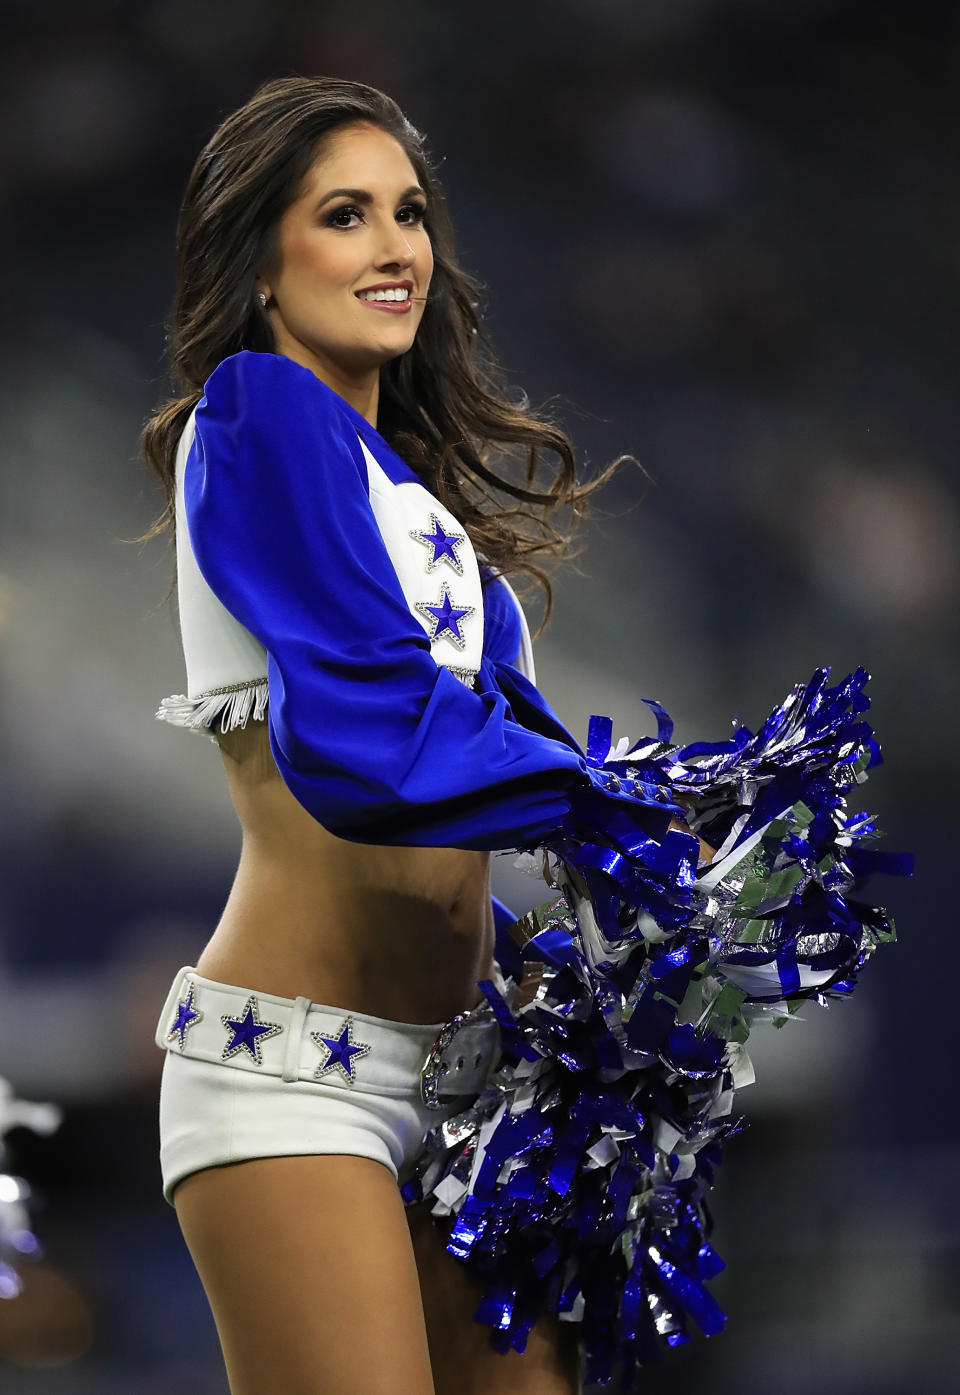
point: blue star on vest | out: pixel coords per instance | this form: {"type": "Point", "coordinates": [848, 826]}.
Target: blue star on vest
{"type": "Point", "coordinates": [248, 1032]}
{"type": "Point", "coordinates": [444, 545]}
{"type": "Point", "coordinates": [445, 617]}
{"type": "Point", "coordinates": [187, 1016]}
{"type": "Point", "coordinates": [340, 1050]}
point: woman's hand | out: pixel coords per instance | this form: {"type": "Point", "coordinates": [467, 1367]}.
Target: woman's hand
{"type": "Point", "coordinates": [707, 854]}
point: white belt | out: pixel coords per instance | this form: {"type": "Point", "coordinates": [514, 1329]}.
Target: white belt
{"type": "Point", "coordinates": [296, 1039]}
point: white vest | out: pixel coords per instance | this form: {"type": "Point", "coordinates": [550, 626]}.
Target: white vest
{"type": "Point", "coordinates": [227, 666]}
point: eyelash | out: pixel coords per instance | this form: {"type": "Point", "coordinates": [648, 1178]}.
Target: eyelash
{"type": "Point", "coordinates": [419, 210]}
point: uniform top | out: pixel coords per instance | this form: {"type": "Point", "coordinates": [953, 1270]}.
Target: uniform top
{"type": "Point", "coordinates": [433, 556]}
{"type": "Point", "coordinates": [324, 589]}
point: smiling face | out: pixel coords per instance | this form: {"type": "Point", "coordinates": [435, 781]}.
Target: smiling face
{"type": "Point", "coordinates": [352, 259]}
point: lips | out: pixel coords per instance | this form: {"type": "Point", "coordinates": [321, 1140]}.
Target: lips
{"type": "Point", "coordinates": [390, 307]}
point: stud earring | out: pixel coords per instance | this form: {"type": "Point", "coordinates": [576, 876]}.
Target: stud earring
{"type": "Point", "coordinates": [262, 299]}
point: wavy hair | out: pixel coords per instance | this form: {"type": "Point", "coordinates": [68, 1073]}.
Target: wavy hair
{"type": "Point", "coordinates": [443, 406]}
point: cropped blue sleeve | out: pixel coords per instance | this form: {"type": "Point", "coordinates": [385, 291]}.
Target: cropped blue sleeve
{"type": "Point", "coordinates": [374, 739]}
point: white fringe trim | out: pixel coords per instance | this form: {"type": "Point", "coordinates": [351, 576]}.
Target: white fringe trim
{"type": "Point", "coordinates": [237, 703]}
{"type": "Point", "coordinates": [234, 705]}
{"type": "Point", "coordinates": [466, 675]}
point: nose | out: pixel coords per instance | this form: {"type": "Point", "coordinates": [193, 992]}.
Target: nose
{"type": "Point", "coordinates": [395, 249]}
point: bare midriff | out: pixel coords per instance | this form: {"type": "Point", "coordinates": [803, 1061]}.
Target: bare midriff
{"type": "Point", "coordinates": [403, 933]}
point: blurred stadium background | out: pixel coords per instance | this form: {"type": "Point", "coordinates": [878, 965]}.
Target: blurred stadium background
{"type": "Point", "coordinates": [721, 234]}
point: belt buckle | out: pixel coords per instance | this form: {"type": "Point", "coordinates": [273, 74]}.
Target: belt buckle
{"type": "Point", "coordinates": [435, 1068]}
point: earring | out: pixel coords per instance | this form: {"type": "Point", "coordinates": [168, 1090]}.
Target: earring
{"type": "Point", "coordinates": [262, 299]}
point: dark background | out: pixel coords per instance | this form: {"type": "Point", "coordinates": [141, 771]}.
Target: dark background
{"type": "Point", "coordinates": [719, 234]}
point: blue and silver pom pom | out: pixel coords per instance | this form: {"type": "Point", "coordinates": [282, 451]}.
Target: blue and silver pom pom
{"type": "Point", "coordinates": [577, 1181]}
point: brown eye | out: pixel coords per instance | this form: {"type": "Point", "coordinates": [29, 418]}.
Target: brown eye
{"type": "Point", "coordinates": [346, 210]}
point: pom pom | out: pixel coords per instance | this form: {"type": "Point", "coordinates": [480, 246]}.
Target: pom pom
{"type": "Point", "coordinates": [577, 1181]}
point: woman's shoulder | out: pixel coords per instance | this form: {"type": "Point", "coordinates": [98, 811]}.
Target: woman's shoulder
{"type": "Point", "coordinates": [267, 402]}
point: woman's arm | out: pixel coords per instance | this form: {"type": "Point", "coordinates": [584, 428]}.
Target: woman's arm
{"type": "Point", "coordinates": [371, 736]}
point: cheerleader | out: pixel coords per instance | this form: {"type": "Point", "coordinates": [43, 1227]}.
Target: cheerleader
{"type": "Point", "coordinates": [354, 649]}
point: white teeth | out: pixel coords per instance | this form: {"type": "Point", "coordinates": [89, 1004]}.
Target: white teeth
{"type": "Point", "coordinates": [391, 294]}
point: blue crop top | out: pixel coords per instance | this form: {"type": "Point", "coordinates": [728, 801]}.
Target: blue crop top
{"type": "Point", "coordinates": [375, 738]}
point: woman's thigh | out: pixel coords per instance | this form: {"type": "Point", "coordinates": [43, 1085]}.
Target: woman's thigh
{"type": "Point", "coordinates": [464, 1363]}
{"type": "Point", "coordinates": [309, 1270]}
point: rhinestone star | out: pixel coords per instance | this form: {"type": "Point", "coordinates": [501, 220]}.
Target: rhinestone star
{"type": "Point", "coordinates": [340, 1050]}
{"type": "Point", "coordinates": [445, 617]}
{"type": "Point", "coordinates": [248, 1032]}
{"type": "Point", "coordinates": [444, 545]}
{"type": "Point", "coordinates": [187, 1016]}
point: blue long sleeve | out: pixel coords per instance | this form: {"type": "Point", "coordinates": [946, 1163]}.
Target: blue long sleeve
{"type": "Point", "coordinates": [372, 737]}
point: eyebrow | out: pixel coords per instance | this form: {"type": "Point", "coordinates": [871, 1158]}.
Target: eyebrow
{"type": "Point", "coordinates": [364, 195]}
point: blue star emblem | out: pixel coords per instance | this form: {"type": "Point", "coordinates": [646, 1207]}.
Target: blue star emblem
{"type": "Point", "coordinates": [444, 545]}
{"type": "Point", "coordinates": [340, 1050]}
{"type": "Point", "coordinates": [248, 1032]}
{"type": "Point", "coordinates": [445, 617]}
{"type": "Point", "coordinates": [187, 1016]}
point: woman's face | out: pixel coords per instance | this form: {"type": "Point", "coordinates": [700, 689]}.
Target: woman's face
{"type": "Point", "coordinates": [355, 228]}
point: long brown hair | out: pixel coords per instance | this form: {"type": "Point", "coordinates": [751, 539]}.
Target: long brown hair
{"type": "Point", "coordinates": [443, 407]}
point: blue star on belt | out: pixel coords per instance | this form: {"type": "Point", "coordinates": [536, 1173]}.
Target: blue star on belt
{"type": "Point", "coordinates": [248, 1032]}
{"type": "Point", "coordinates": [341, 1050]}
{"type": "Point", "coordinates": [445, 617]}
{"type": "Point", "coordinates": [444, 545]}
{"type": "Point", "coordinates": [187, 1016]}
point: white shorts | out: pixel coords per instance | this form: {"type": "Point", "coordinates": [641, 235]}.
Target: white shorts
{"type": "Point", "coordinates": [253, 1075]}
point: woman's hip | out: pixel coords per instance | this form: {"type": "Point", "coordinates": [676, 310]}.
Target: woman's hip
{"type": "Point", "coordinates": [251, 1074]}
